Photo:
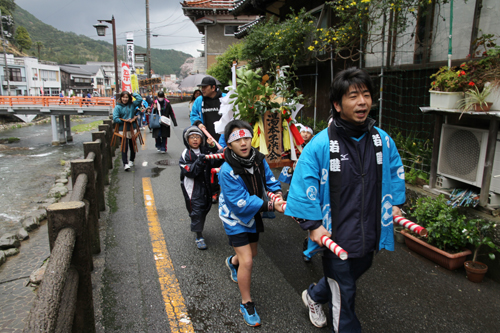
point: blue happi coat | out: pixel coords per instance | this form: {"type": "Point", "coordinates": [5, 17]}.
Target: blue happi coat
{"type": "Point", "coordinates": [309, 196]}
{"type": "Point", "coordinates": [237, 207]}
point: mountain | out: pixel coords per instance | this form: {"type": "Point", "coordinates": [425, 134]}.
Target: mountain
{"type": "Point", "coordinates": [70, 48]}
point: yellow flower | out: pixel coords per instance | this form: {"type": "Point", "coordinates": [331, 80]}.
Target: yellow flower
{"type": "Point", "coordinates": [315, 42]}
{"type": "Point", "coordinates": [311, 48]}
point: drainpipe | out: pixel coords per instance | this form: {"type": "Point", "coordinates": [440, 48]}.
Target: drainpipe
{"type": "Point", "coordinates": [450, 48]}
{"type": "Point", "coordinates": [381, 75]}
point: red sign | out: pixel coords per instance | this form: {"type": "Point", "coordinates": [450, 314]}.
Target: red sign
{"type": "Point", "coordinates": [126, 83]}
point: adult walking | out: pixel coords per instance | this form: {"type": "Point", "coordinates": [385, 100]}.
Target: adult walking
{"type": "Point", "coordinates": [205, 110]}
{"type": "Point", "coordinates": [162, 106]}
{"type": "Point", "coordinates": [347, 185]}
{"type": "Point", "coordinates": [124, 112]}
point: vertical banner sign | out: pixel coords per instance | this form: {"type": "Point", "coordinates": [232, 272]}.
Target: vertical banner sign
{"type": "Point", "coordinates": [126, 84]}
{"type": "Point", "coordinates": [134, 82]}
{"type": "Point", "coordinates": [272, 128]}
{"type": "Point", "coordinates": [130, 52]}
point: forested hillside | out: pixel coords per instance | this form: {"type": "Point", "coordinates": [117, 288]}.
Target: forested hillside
{"type": "Point", "coordinates": [69, 48]}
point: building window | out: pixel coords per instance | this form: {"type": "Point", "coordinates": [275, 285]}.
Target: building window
{"type": "Point", "coordinates": [82, 80]}
{"type": "Point", "coordinates": [55, 92]}
{"type": "Point", "coordinates": [48, 75]}
{"type": "Point", "coordinates": [230, 30]}
{"type": "Point", "coordinates": [15, 74]}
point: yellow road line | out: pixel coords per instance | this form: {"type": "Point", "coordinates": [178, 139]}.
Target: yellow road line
{"type": "Point", "coordinates": [174, 301]}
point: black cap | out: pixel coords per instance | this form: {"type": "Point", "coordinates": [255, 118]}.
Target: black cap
{"type": "Point", "coordinates": [207, 81]}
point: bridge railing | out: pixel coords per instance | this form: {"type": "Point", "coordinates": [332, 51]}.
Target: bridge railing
{"type": "Point", "coordinates": [64, 300]}
{"type": "Point", "coordinates": [46, 101]}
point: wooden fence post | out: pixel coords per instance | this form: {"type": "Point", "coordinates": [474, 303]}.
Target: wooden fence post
{"type": "Point", "coordinates": [107, 149]}
{"type": "Point", "coordinates": [111, 128]}
{"type": "Point", "coordinates": [95, 147]}
{"type": "Point", "coordinates": [87, 167]}
{"type": "Point", "coordinates": [72, 214]}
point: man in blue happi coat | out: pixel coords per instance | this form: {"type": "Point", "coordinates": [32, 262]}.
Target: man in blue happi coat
{"type": "Point", "coordinates": [348, 183]}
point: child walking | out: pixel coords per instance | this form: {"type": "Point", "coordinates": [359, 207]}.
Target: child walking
{"type": "Point", "coordinates": [244, 179]}
{"type": "Point", "coordinates": [195, 179]}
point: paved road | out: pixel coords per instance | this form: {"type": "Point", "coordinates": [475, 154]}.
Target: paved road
{"type": "Point", "coordinates": [401, 293]}
{"type": "Point", "coordinates": [150, 268]}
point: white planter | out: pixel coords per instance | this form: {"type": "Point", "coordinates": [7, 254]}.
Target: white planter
{"type": "Point", "coordinates": [445, 100]}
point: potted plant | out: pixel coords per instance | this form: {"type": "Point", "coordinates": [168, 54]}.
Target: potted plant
{"type": "Point", "coordinates": [446, 87]}
{"type": "Point", "coordinates": [477, 232]}
{"type": "Point", "coordinates": [446, 242]}
{"type": "Point", "coordinates": [476, 100]}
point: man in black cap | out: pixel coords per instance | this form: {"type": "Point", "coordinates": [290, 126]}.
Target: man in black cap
{"type": "Point", "coordinates": [205, 110]}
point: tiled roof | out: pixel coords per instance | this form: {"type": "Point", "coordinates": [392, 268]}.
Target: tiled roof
{"type": "Point", "coordinates": [209, 4]}
{"type": "Point", "coordinates": [244, 29]}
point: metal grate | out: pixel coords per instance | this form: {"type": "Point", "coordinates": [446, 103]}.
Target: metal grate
{"type": "Point", "coordinates": [459, 154]}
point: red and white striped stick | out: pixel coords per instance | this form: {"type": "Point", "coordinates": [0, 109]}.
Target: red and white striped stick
{"type": "Point", "coordinates": [213, 172]}
{"type": "Point", "coordinates": [332, 246]}
{"type": "Point", "coordinates": [215, 156]}
{"type": "Point", "coordinates": [410, 225]}
{"type": "Point", "coordinates": [211, 137]}
{"type": "Point", "coordinates": [275, 198]}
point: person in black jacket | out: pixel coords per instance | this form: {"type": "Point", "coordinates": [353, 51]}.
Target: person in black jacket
{"type": "Point", "coordinates": [195, 179]}
{"type": "Point", "coordinates": [163, 133]}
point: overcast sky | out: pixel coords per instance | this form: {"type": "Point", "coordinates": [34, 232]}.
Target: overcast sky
{"type": "Point", "coordinates": [174, 30]}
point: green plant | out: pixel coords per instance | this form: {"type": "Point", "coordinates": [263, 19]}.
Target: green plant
{"type": "Point", "coordinates": [474, 97]}
{"type": "Point", "coordinates": [416, 155]}
{"type": "Point", "coordinates": [416, 177]}
{"type": "Point", "coordinates": [449, 79]}
{"type": "Point", "coordinates": [477, 231]}
{"type": "Point", "coordinates": [444, 223]}
{"type": "Point", "coordinates": [253, 98]}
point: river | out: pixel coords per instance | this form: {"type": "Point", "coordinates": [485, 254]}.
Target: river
{"type": "Point", "coordinates": [29, 168]}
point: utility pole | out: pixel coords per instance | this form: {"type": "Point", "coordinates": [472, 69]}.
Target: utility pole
{"type": "Point", "coordinates": [6, 70]}
{"type": "Point", "coordinates": [148, 42]}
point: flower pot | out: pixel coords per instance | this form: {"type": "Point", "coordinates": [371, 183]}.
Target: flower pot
{"type": "Point", "coordinates": [483, 108]}
{"type": "Point", "coordinates": [397, 234]}
{"type": "Point", "coordinates": [475, 270]}
{"type": "Point", "coordinates": [445, 100]}
{"type": "Point", "coordinates": [440, 257]}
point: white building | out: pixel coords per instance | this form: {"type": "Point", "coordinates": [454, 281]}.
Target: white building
{"type": "Point", "coordinates": [42, 76]}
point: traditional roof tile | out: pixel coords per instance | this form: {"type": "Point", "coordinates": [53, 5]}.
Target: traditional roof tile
{"type": "Point", "coordinates": [209, 4]}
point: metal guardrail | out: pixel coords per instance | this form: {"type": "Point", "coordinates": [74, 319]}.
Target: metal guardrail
{"type": "Point", "coordinates": [46, 101]}
{"type": "Point", "coordinates": [64, 300]}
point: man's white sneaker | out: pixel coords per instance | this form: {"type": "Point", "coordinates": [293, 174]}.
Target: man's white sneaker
{"type": "Point", "coordinates": [131, 163]}
{"type": "Point", "coordinates": [126, 167]}
{"type": "Point", "coordinates": [316, 314]}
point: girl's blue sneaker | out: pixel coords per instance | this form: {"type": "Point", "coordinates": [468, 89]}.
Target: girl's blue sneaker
{"type": "Point", "coordinates": [232, 269]}
{"type": "Point", "coordinates": [250, 314]}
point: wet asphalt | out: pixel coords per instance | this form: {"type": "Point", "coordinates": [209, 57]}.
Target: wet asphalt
{"type": "Point", "coordinates": [402, 292]}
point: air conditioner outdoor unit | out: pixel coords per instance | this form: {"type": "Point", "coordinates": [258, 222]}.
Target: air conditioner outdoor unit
{"type": "Point", "coordinates": [462, 152]}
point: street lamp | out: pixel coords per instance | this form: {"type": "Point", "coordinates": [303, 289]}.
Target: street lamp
{"type": "Point", "coordinates": [101, 31]}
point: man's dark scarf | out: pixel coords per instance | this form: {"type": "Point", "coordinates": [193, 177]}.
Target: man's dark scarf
{"type": "Point", "coordinates": [341, 128]}
{"type": "Point", "coordinates": [256, 182]}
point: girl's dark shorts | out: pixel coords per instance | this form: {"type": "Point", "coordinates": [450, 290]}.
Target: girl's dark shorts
{"type": "Point", "coordinates": [243, 239]}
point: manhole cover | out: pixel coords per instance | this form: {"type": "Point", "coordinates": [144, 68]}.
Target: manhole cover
{"type": "Point", "coordinates": [167, 162]}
